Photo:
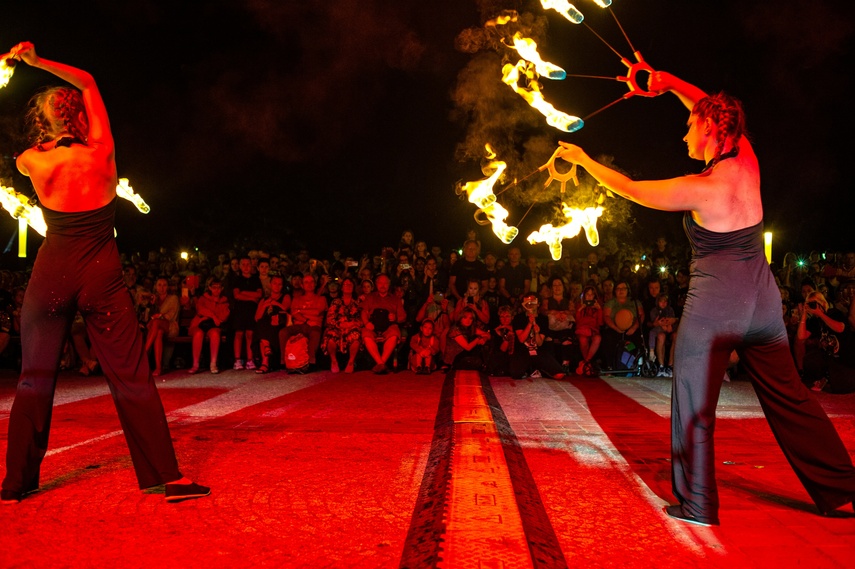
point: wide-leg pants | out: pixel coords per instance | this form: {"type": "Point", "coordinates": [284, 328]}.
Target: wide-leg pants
{"type": "Point", "coordinates": [735, 304]}
{"type": "Point", "coordinates": [72, 274]}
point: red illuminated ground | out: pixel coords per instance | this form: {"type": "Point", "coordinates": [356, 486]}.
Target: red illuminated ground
{"type": "Point", "coordinates": [362, 470]}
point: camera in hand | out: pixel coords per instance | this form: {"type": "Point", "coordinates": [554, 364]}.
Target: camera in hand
{"type": "Point", "coordinates": [813, 305]}
{"type": "Point", "coordinates": [470, 300]}
{"type": "Point", "coordinates": [590, 302]}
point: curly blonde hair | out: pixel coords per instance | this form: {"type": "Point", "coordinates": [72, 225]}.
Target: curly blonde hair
{"type": "Point", "coordinates": [56, 110]}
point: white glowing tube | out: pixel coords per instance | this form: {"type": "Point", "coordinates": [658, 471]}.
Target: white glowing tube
{"type": "Point", "coordinates": [18, 206]}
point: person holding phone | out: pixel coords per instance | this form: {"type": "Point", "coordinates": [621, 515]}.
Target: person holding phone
{"type": "Point", "coordinates": [474, 302]}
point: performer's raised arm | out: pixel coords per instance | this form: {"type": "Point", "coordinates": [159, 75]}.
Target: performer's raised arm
{"type": "Point", "coordinates": [96, 112]}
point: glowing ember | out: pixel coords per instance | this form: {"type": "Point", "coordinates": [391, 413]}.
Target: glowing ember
{"type": "Point", "coordinates": [533, 96]}
{"type": "Point", "coordinates": [579, 219]}
{"type": "Point", "coordinates": [124, 190]}
{"type": "Point", "coordinates": [18, 206]}
{"type": "Point", "coordinates": [527, 48]}
{"type": "Point", "coordinates": [7, 68]}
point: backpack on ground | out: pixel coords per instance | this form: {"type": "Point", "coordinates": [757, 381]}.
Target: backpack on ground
{"type": "Point", "coordinates": [297, 353]}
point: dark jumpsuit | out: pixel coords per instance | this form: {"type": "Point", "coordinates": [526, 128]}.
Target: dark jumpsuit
{"type": "Point", "coordinates": [78, 268]}
{"type": "Point", "coordinates": [734, 304]}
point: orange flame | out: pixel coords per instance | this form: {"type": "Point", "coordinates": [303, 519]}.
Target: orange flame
{"type": "Point", "coordinates": [568, 10]}
{"type": "Point", "coordinates": [481, 194]}
{"type": "Point", "coordinates": [527, 48]}
{"type": "Point", "coordinates": [124, 190]}
{"type": "Point", "coordinates": [532, 95]}
{"type": "Point", "coordinates": [18, 206]}
{"type": "Point", "coordinates": [579, 219]}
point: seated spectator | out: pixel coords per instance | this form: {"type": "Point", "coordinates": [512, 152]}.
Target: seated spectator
{"type": "Point", "coordinates": [502, 344]}
{"type": "Point", "coordinates": [212, 310]}
{"type": "Point", "coordinates": [163, 324]}
{"type": "Point", "coordinates": [307, 318]}
{"type": "Point", "coordinates": [424, 346]}
{"type": "Point", "coordinates": [80, 340]}
{"type": "Point", "coordinates": [246, 292]}
{"type": "Point", "coordinates": [343, 330]}
{"type": "Point", "coordinates": [474, 302]}
{"type": "Point", "coordinates": [561, 317]}
{"type": "Point", "coordinates": [270, 317]}
{"type": "Point", "coordinates": [366, 287]}
{"type": "Point", "coordinates": [623, 318]}
{"type": "Point", "coordinates": [530, 359]}
{"type": "Point", "coordinates": [817, 339]}
{"type": "Point", "coordinates": [589, 322]}
{"type": "Point", "coordinates": [463, 350]}
{"type": "Point", "coordinates": [382, 312]}
{"type": "Point", "coordinates": [437, 309]}
{"type": "Point", "coordinates": [663, 324]}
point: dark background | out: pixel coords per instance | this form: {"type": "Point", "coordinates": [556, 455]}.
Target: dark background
{"type": "Point", "coordinates": [339, 123]}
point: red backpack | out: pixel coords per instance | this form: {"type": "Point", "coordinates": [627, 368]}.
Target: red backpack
{"type": "Point", "coordinates": [296, 353]}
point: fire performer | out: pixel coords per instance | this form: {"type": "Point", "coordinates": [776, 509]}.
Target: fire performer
{"type": "Point", "coordinates": [724, 223]}
{"type": "Point", "coordinates": [73, 169]}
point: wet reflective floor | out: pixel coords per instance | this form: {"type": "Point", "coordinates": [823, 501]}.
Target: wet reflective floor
{"type": "Point", "coordinates": [400, 470]}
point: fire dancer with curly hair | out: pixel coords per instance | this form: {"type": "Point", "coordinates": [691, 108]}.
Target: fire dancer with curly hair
{"type": "Point", "coordinates": [73, 169]}
{"type": "Point", "coordinates": [724, 223]}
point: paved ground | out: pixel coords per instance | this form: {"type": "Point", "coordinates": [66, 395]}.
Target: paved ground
{"type": "Point", "coordinates": [401, 470]}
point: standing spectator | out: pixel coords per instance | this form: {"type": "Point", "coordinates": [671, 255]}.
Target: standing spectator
{"type": "Point", "coordinates": [466, 269]}
{"type": "Point", "coordinates": [589, 322]}
{"type": "Point", "coordinates": [514, 279]}
{"type": "Point", "coordinates": [246, 292]}
{"type": "Point", "coordinates": [212, 310]}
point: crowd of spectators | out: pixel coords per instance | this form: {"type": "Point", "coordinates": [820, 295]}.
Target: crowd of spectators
{"type": "Point", "coordinates": [417, 307]}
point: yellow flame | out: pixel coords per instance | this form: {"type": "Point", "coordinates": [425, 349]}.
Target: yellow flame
{"type": "Point", "coordinates": [532, 95]}
{"type": "Point", "coordinates": [496, 215]}
{"type": "Point", "coordinates": [579, 219]}
{"type": "Point", "coordinates": [6, 72]}
{"type": "Point", "coordinates": [124, 190]}
{"type": "Point", "coordinates": [527, 48]}
{"type": "Point", "coordinates": [481, 194]}
{"type": "Point", "coordinates": [568, 10]}
{"type": "Point", "coordinates": [18, 206]}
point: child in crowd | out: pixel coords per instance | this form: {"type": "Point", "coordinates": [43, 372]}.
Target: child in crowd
{"type": "Point", "coordinates": [589, 321]}
{"type": "Point", "coordinates": [423, 347]}
{"type": "Point", "coordinates": [662, 318]}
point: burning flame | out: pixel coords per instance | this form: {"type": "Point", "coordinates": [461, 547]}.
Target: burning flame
{"type": "Point", "coordinates": [503, 18]}
{"type": "Point", "coordinates": [7, 69]}
{"type": "Point", "coordinates": [19, 207]}
{"type": "Point", "coordinates": [124, 190]}
{"type": "Point", "coordinates": [568, 10]}
{"type": "Point", "coordinates": [579, 219]}
{"type": "Point", "coordinates": [533, 96]}
{"type": "Point", "coordinates": [481, 194]}
{"type": "Point", "coordinates": [527, 48]}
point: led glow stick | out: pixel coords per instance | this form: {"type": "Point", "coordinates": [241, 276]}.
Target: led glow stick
{"type": "Point", "coordinates": [18, 206]}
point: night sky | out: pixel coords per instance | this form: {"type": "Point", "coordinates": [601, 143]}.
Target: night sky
{"type": "Point", "coordinates": [338, 123]}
